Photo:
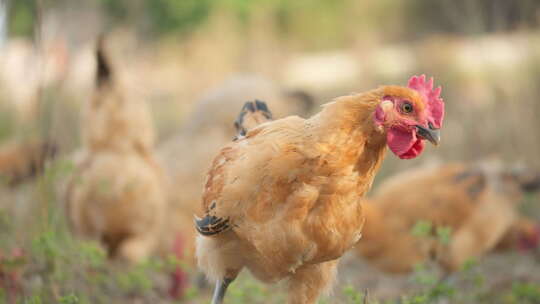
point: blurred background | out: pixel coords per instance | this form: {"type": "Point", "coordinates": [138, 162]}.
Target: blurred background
{"type": "Point", "coordinates": [484, 53]}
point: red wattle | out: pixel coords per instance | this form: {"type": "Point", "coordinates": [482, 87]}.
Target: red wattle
{"type": "Point", "coordinates": [404, 143]}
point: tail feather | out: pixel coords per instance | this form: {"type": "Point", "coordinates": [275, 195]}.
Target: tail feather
{"type": "Point", "coordinates": [473, 180]}
{"type": "Point", "coordinates": [528, 178]}
{"type": "Point", "coordinates": [103, 67]}
{"type": "Point", "coordinates": [253, 113]}
{"type": "Point", "coordinates": [531, 184]}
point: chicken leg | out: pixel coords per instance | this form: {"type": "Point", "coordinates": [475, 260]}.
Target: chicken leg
{"type": "Point", "coordinates": [220, 289]}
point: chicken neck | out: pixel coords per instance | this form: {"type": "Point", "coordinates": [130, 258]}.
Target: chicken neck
{"type": "Point", "coordinates": [345, 132]}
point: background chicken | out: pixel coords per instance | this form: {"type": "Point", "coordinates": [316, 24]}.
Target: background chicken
{"type": "Point", "coordinates": [219, 106]}
{"type": "Point", "coordinates": [478, 204]}
{"type": "Point", "coordinates": [23, 160]}
{"type": "Point", "coordinates": [117, 192]}
{"type": "Point", "coordinates": [284, 200]}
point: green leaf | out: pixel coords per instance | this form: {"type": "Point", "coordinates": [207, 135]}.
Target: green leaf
{"type": "Point", "coordinates": [69, 299]}
{"type": "Point", "coordinates": [444, 234]}
{"type": "Point", "coordinates": [422, 228]}
{"type": "Point", "coordinates": [526, 293]}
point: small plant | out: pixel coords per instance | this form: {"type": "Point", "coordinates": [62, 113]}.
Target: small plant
{"type": "Point", "coordinates": [11, 268]}
{"type": "Point", "coordinates": [137, 279]}
{"type": "Point", "coordinates": [33, 300]}
{"type": "Point", "coordinates": [422, 228]}
{"type": "Point", "coordinates": [525, 293]}
{"type": "Point", "coordinates": [69, 299]}
{"type": "Point", "coordinates": [433, 288]}
{"type": "Point", "coordinates": [444, 235]}
{"type": "Point", "coordinates": [354, 296]}
{"type": "Point", "coordinates": [426, 229]}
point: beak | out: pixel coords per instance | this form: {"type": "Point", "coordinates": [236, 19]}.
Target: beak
{"type": "Point", "coordinates": [431, 134]}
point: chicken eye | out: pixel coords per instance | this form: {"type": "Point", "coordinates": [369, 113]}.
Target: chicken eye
{"type": "Point", "coordinates": [406, 107]}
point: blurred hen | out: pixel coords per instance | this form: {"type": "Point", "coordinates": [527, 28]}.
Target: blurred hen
{"type": "Point", "coordinates": [117, 193]}
{"type": "Point", "coordinates": [24, 160]}
{"type": "Point", "coordinates": [478, 204]}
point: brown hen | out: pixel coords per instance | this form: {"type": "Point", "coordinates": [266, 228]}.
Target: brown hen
{"type": "Point", "coordinates": [478, 203]}
{"type": "Point", "coordinates": [117, 193]}
{"type": "Point", "coordinates": [284, 201]}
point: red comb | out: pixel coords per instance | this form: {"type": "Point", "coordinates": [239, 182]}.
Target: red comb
{"type": "Point", "coordinates": [434, 101]}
